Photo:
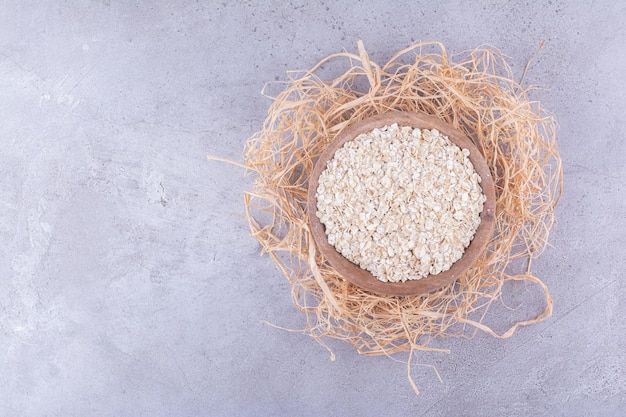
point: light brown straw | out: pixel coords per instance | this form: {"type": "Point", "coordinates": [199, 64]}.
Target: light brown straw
{"type": "Point", "coordinates": [474, 92]}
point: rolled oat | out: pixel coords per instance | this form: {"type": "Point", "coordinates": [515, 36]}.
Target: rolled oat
{"type": "Point", "coordinates": [400, 202]}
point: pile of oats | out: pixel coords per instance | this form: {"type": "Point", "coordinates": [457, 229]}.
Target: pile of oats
{"type": "Point", "coordinates": [400, 202]}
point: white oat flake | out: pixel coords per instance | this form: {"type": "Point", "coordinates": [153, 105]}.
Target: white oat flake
{"type": "Point", "coordinates": [402, 203]}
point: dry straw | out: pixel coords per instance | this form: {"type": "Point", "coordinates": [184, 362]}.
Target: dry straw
{"type": "Point", "coordinates": [474, 92]}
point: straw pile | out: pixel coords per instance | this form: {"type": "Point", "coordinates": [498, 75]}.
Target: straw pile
{"type": "Point", "coordinates": [474, 92]}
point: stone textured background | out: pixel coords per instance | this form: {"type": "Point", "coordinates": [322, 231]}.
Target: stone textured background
{"type": "Point", "coordinates": [129, 284]}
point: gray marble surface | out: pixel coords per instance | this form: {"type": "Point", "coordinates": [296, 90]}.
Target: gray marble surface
{"type": "Point", "coordinates": [129, 285]}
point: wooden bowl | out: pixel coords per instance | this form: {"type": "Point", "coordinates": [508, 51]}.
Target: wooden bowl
{"type": "Point", "coordinates": [363, 278]}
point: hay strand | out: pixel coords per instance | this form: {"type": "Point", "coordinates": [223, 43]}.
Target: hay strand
{"type": "Point", "coordinates": [474, 92]}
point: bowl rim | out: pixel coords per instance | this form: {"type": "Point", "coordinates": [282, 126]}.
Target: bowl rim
{"type": "Point", "coordinates": [363, 278]}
